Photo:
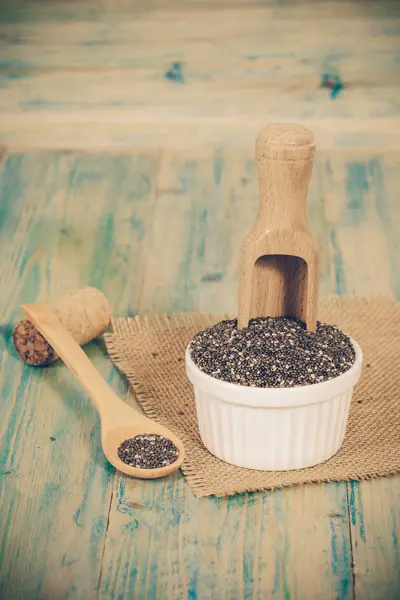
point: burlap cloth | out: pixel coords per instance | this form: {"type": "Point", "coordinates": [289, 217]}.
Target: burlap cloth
{"type": "Point", "coordinates": [150, 351]}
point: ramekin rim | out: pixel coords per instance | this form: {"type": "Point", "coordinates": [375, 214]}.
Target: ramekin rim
{"type": "Point", "coordinates": [276, 394]}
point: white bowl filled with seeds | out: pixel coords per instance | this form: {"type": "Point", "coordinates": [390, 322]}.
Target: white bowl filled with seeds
{"type": "Point", "coordinates": [273, 396]}
{"type": "Point", "coordinates": [273, 388]}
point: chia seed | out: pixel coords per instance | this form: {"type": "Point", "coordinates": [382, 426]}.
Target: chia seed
{"type": "Point", "coordinates": [272, 352]}
{"type": "Point", "coordinates": [148, 451]}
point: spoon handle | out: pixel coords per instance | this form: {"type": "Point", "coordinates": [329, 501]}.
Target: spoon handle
{"type": "Point", "coordinates": [103, 396]}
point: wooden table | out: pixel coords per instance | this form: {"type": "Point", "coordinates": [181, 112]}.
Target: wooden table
{"type": "Point", "coordinates": [128, 131]}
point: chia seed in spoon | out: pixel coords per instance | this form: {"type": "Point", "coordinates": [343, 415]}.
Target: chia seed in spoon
{"type": "Point", "coordinates": [148, 451]}
{"type": "Point", "coordinates": [272, 352]}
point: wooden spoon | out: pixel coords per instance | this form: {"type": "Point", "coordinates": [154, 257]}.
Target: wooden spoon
{"type": "Point", "coordinates": [278, 268]}
{"type": "Point", "coordinates": [118, 420]}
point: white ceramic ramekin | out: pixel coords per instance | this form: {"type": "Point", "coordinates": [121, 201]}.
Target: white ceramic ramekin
{"type": "Point", "coordinates": [273, 429]}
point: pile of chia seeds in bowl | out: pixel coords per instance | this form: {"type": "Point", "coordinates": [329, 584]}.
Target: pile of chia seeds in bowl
{"type": "Point", "coordinates": [272, 352]}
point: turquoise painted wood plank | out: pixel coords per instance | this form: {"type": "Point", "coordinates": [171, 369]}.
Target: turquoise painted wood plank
{"type": "Point", "coordinates": [267, 43]}
{"type": "Point", "coordinates": [361, 135]}
{"type": "Point", "coordinates": [386, 176]}
{"type": "Point", "coordinates": [363, 226]}
{"type": "Point", "coordinates": [23, 10]}
{"type": "Point", "coordinates": [114, 96]}
{"type": "Point", "coordinates": [225, 186]}
{"type": "Point", "coordinates": [360, 247]}
{"type": "Point", "coordinates": [87, 76]}
{"type": "Point", "coordinates": [369, 241]}
{"type": "Point", "coordinates": [165, 543]}
{"type": "Point", "coordinates": [61, 226]}
{"type": "Point", "coordinates": [352, 202]}
{"type": "Point", "coordinates": [162, 542]}
{"type": "Point", "coordinates": [375, 529]}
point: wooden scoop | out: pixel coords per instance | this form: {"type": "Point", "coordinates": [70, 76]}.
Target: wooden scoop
{"type": "Point", "coordinates": [118, 420]}
{"type": "Point", "coordinates": [278, 266]}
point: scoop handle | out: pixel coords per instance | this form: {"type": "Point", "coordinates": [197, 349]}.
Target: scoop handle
{"type": "Point", "coordinates": [284, 157]}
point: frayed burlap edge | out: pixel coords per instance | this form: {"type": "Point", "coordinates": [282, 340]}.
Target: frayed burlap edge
{"type": "Point", "coordinates": [166, 396]}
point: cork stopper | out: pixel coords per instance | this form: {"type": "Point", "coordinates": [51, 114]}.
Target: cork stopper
{"type": "Point", "coordinates": [31, 345]}
{"type": "Point", "coordinates": [85, 313]}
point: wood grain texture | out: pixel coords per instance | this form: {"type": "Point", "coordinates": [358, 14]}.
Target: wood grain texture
{"type": "Point", "coordinates": [237, 178]}
{"type": "Point", "coordinates": [243, 547]}
{"type": "Point", "coordinates": [89, 72]}
{"type": "Point", "coordinates": [375, 527]}
{"type": "Point", "coordinates": [46, 230]}
{"type": "Point", "coordinates": [374, 507]}
{"type": "Point", "coordinates": [158, 228]}
{"type": "Point", "coordinates": [190, 262]}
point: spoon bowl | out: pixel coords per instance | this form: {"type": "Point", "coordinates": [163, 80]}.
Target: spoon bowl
{"type": "Point", "coordinates": [113, 436]}
{"type": "Point", "coordinates": [119, 421]}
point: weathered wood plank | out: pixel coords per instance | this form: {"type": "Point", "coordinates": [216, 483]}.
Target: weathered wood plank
{"type": "Point", "coordinates": [88, 81]}
{"type": "Point", "coordinates": [363, 228]}
{"type": "Point", "coordinates": [368, 243]}
{"type": "Point", "coordinates": [375, 528]}
{"type": "Point", "coordinates": [113, 95]}
{"type": "Point", "coordinates": [107, 221]}
{"type": "Point", "coordinates": [112, 135]}
{"type": "Point", "coordinates": [213, 198]}
{"type": "Point", "coordinates": [162, 541]}
{"type": "Point", "coordinates": [222, 205]}
{"type": "Point", "coordinates": [61, 226]}
{"type": "Point", "coordinates": [266, 41]}
{"type": "Point", "coordinates": [386, 179]}
{"type": "Point", "coordinates": [92, 10]}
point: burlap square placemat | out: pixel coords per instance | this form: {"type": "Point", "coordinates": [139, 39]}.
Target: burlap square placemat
{"type": "Point", "coordinates": [150, 351]}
